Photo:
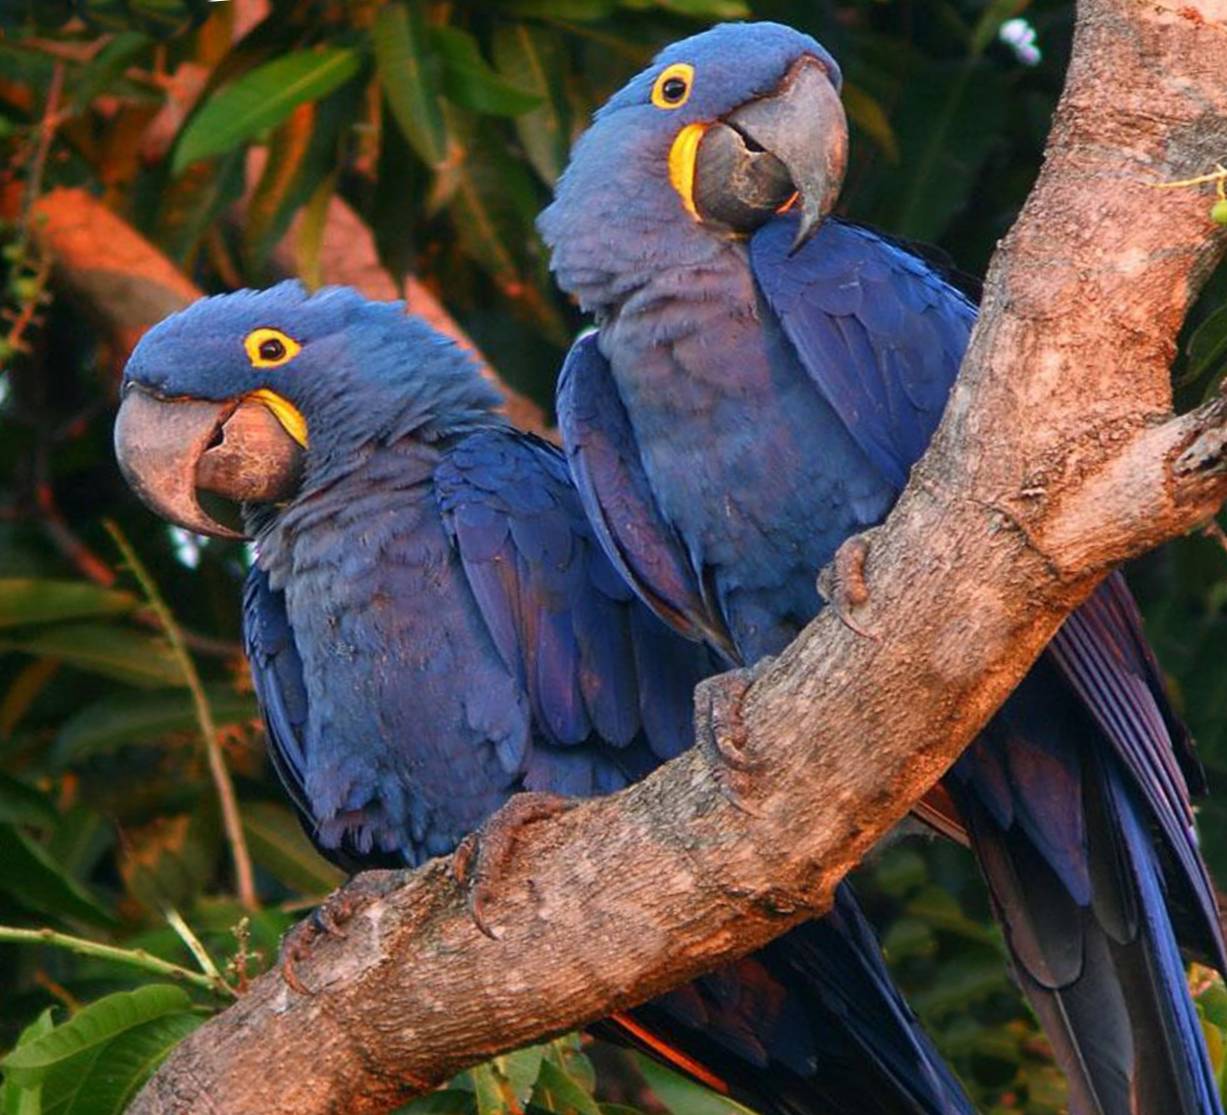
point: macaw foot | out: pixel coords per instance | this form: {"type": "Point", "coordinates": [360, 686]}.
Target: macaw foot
{"type": "Point", "coordinates": [329, 918]}
{"type": "Point", "coordinates": [481, 857]}
{"type": "Point", "coordinates": [842, 583]}
{"type": "Point", "coordinates": [721, 727]}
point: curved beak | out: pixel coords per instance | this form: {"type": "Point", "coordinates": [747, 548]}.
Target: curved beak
{"type": "Point", "coordinates": [169, 449]}
{"type": "Point", "coordinates": [788, 148]}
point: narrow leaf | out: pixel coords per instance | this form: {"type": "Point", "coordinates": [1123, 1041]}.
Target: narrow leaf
{"type": "Point", "coordinates": [39, 883]}
{"type": "Point", "coordinates": [533, 59]}
{"type": "Point", "coordinates": [446, 1101]}
{"type": "Point", "coordinates": [115, 652]}
{"type": "Point", "coordinates": [261, 98]}
{"type": "Point", "coordinates": [279, 845]}
{"type": "Point", "coordinates": [30, 681]}
{"type": "Point", "coordinates": [409, 75]}
{"type": "Point", "coordinates": [557, 1092]}
{"type": "Point", "coordinates": [486, 1091]}
{"type": "Point", "coordinates": [1207, 348]}
{"type": "Point", "coordinates": [140, 718]}
{"type": "Point", "coordinates": [91, 1026]}
{"type": "Point", "coordinates": [21, 804]}
{"type": "Point", "coordinates": [29, 600]}
{"type": "Point", "coordinates": [867, 113]}
{"type": "Point", "coordinates": [470, 82]}
{"type": "Point", "coordinates": [683, 1096]}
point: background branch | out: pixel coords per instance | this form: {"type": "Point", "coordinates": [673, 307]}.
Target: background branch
{"type": "Point", "coordinates": [1057, 457]}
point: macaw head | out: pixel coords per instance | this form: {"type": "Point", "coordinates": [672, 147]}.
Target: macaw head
{"type": "Point", "coordinates": [255, 394]}
{"type": "Point", "coordinates": [722, 130]}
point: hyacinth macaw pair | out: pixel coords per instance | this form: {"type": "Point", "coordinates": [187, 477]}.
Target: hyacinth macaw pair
{"type": "Point", "coordinates": [434, 624]}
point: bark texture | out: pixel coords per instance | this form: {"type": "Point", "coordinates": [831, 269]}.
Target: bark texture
{"type": "Point", "coordinates": [1058, 457]}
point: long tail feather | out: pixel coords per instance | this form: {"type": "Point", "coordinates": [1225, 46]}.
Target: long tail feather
{"type": "Point", "coordinates": [810, 1025]}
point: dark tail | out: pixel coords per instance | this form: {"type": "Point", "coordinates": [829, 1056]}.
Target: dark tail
{"type": "Point", "coordinates": [810, 1025]}
{"type": "Point", "coordinates": [1096, 953]}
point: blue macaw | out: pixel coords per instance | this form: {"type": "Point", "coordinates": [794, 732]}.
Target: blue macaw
{"type": "Point", "coordinates": [760, 383]}
{"type": "Point", "coordinates": [433, 629]}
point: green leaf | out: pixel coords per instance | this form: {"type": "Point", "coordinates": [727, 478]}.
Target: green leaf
{"type": "Point", "coordinates": [486, 1090]}
{"type": "Point", "coordinates": [520, 1070]}
{"type": "Point", "coordinates": [106, 1084]}
{"type": "Point", "coordinates": [279, 845]}
{"type": "Point", "coordinates": [410, 78]}
{"type": "Point", "coordinates": [557, 1092]}
{"type": "Point", "coordinates": [92, 1026]}
{"type": "Point", "coordinates": [469, 81]}
{"type": "Point", "coordinates": [31, 680]}
{"type": "Point", "coordinates": [697, 9]}
{"type": "Point", "coordinates": [534, 59]}
{"type": "Point", "coordinates": [446, 1101]}
{"type": "Point", "coordinates": [683, 1096]}
{"type": "Point", "coordinates": [941, 910]}
{"type": "Point", "coordinates": [1207, 348]}
{"type": "Point", "coordinates": [967, 978]}
{"type": "Point", "coordinates": [114, 652]}
{"type": "Point", "coordinates": [579, 11]}
{"type": "Point", "coordinates": [189, 205]}
{"type": "Point", "coordinates": [14, 1098]}
{"type": "Point", "coordinates": [27, 600]}
{"type": "Point", "coordinates": [261, 98]}
{"type": "Point", "coordinates": [111, 61]}
{"type": "Point", "coordinates": [867, 113]}
{"type": "Point", "coordinates": [39, 883]}
{"type": "Point", "coordinates": [21, 804]}
{"type": "Point", "coordinates": [136, 718]}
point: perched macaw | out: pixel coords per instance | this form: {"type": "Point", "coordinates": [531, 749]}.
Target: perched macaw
{"type": "Point", "coordinates": [432, 629]}
{"type": "Point", "coordinates": [759, 385]}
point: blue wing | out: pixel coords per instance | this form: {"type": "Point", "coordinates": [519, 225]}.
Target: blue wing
{"type": "Point", "coordinates": [878, 331]}
{"type": "Point", "coordinates": [882, 336]}
{"type": "Point", "coordinates": [618, 500]}
{"type": "Point", "coordinates": [1055, 827]}
{"type": "Point", "coordinates": [277, 677]}
{"type": "Point", "coordinates": [595, 664]}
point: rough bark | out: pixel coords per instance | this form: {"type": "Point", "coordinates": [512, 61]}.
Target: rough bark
{"type": "Point", "coordinates": [1057, 458]}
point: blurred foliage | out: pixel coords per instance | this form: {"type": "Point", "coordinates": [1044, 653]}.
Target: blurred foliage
{"type": "Point", "coordinates": [443, 125]}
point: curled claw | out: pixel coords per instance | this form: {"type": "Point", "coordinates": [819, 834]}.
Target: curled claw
{"type": "Point", "coordinates": [723, 729]}
{"type": "Point", "coordinates": [481, 857]}
{"type": "Point", "coordinates": [329, 918]}
{"type": "Point", "coordinates": [842, 584]}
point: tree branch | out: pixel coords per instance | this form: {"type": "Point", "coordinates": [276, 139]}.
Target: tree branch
{"type": "Point", "coordinates": [1057, 457]}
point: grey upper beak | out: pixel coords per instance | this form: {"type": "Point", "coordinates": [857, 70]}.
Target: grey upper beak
{"type": "Point", "coordinates": [792, 142]}
{"type": "Point", "coordinates": [168, 449]}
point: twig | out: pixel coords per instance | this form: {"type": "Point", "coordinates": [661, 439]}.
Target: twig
{"type": "Point", "coordinates": [231, 820]}
{"type": "Point", "coordinates": [136, 958]}
{"type": "Point", "coordinates": [194, 944]}
{"type": "Point", "coordinates": [50, 121]}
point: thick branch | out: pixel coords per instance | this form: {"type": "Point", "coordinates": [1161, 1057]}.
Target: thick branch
{"type": "Point", "coordinates": [1057, 457]}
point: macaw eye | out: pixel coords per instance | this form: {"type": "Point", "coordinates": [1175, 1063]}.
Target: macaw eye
{"type": "Point", "coordinates": [270, 348]}
{"type": "Point", "coordinates": [672, 88]}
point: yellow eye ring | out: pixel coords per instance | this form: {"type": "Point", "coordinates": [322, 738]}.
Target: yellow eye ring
{"type": "Point", "coordinates": [270, 348]}
{"type": "Point", "coordinates": [672, 88]}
